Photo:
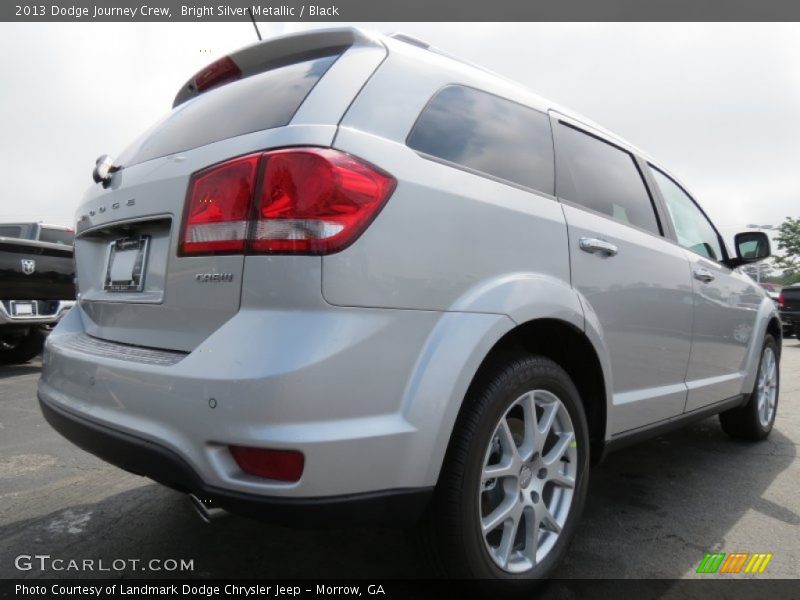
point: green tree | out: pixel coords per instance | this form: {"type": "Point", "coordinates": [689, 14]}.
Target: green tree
{"type": "Point", "coordinates": [788, 239]}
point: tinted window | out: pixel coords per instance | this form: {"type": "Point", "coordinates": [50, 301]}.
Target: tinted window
{"type": "Point", "coordinates": [488, 134]}
{"type": "Point", "coordinates": [14, 231]}
{"type": "Point", "coordinates": [261, 101]}
{"type": "Point", "coordinates": [56, 236]}
{"type": "Point", "coordinates": [602, 177]}
{"type": "Point", "coordinates": [691, 226]}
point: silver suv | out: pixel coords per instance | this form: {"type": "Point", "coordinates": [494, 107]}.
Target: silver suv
{"type": "Point", "coordinates": [350, 278]}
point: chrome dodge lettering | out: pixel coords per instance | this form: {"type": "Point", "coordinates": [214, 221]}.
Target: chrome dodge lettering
{"type": "Point", "coordinates": [213, 277]}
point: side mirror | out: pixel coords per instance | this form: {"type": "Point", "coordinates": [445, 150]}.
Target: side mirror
{"type": "Point", "coordinates": [751, 246]}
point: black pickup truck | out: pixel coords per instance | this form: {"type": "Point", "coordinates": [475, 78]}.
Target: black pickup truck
{"type": "Point", "coordinates": [789, 306]}
{"type": "Point", "coordinates": [37, 273]}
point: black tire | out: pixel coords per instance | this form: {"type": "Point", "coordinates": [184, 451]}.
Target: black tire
{"type": "Point", "coordinates": [744, 423]}
{"type": "Point", "coordinates": [797, 330]}
{"type": "Point", "coordinates": [452, 525]}
{"type": "Point", "coordinates": [20, 349]}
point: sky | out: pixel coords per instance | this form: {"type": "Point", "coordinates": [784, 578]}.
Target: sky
{"type": "Point", "coordinates": [716, 104]}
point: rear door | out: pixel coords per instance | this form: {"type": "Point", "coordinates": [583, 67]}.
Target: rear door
{"type": "Point", "coordinates": [632, 281]}
{"type": "Point", "coordinates": [725, 302]}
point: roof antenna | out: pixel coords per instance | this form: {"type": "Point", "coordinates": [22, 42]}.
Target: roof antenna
{"type": "Point", "coordinates": [255, 26]}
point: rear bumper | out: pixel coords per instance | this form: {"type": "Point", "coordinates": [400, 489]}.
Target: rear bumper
{"type": "Point", "coordinates": [329, 384]}
{"type": "Point", "coordinates": [50, 319]}
{"type": "Point", "coordinates": [790, 318]}
{"type": "Point", "coordinates": [144, 457]}
{"type": "Point", "coordinates": [368, 396]}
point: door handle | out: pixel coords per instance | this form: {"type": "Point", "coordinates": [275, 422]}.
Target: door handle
{"type": "Point", "coordinates": [597, 246]}
{"type": "Point", "coordinates": [703, 275]}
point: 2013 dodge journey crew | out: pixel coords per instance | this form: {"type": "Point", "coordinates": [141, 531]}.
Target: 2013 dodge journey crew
{"type": "Point", "coordinates": [349, 277]}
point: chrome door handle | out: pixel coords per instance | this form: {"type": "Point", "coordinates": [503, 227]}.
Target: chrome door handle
{"type": "Point", "coordinates": [597, 246]}
{"type": "Point", "coordinates": [703, 275]}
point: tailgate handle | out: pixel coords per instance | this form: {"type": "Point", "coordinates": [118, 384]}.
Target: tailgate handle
{"type": "Point", "coordinates": [597, 246]}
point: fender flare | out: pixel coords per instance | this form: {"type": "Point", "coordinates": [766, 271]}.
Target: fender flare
{"type": "Point", "coordinates": [463, 338]}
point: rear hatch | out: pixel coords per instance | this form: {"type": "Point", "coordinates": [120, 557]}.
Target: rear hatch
{"type": "Point", "coordinates": [33, 270]}
{"type": "Point", "coordinates": [135, 286]}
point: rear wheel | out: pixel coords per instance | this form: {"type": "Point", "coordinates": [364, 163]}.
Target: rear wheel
{"type": "Point", "coordinates": [514, 480]}
{"type": "Point", "coordinates": [797, 330]}
{"type": "Point", "coordinates": [755, 420]}
{"type": "Point", "coordinates": [17, 349]}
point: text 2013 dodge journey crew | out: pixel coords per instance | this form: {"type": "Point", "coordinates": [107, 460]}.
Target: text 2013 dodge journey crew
{"type": "Point", "coordinates": [349, 277]}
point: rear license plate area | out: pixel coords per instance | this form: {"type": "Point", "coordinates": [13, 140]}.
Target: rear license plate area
{"type": "Point", "coordinates": [127, 264]}
{"type": "Point", "coordinates": [23, 309]}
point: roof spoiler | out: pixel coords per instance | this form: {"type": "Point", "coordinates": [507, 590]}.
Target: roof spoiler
{"type": "Point", "coordinates": [270, 54]}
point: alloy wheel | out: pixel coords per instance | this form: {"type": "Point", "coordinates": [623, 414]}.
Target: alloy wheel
{"type": "Point", "coordinates": [528, 481]}
{"type": "Point", "coordinates": [767, 388]}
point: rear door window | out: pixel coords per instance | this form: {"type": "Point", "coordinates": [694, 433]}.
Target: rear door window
{"type": "Point", "coordinates": [487, 134]}
{"type": "Point", "coordinates": [262, 101]}
{"type": "Point", "coordinates": [603, 178]}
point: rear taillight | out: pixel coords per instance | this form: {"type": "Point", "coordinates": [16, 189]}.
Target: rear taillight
{"type": "Point", "coordinates": [292, 201]}
{"type": "Point", "coordinates": [217, 73]}
{"type": "Point", "coordinates": [315, 201]}
{"type": "Point", "coordinates": [780, 300]}
{"type": "Point", "coordinates": [218, 206]}
{"type": "Point", "coordinates": [281, 465]}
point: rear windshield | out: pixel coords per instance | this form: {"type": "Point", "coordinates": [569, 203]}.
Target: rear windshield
{"type": "Point", "coordinates": [14, 231]}
{"type": "Point", "coordinates": [56, 236]}
{"type": "Point", "coordinates": [262, 101]}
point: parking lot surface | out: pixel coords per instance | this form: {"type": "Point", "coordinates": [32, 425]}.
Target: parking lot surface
{"type": "Point", "coordinates": [653, 509]}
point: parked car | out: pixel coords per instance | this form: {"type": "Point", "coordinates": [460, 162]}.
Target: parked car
{"type": "Point", "coordinates": [351, 278]}
{"type": "Point", "coordinates": [789, 306]}
{"type": "Point", "coordinates": [36, 286]}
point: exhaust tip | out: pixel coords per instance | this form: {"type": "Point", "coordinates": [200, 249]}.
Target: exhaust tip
{"type": "Point", "coordinates": [205, 509]}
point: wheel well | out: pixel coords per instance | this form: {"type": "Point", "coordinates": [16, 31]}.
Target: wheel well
{"type": "Point", "coordinates": [572, 350]}
{"type": "Point", "coordinates": [775, 329]}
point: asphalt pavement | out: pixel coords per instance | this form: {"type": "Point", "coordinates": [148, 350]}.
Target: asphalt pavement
{"type": "Point", "coordinates": [653, 509]}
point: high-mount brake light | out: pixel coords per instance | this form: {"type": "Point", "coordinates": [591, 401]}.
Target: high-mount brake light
{"type": "Point", "coordinates": [217, 73]}
{"type": "Point", "coordinates": [308, 201]}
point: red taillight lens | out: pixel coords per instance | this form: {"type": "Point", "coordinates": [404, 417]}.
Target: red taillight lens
{"type": "Point", "coordinates": [217, 73]}
{"type": "Point", "coordinates": [309, 201]}
{"type": "Point", "coordinates": [218, 206]}
{"type": "Point", "coordinates": [780, 300]}
{"type": "Point", "coordinates": [281, 465]}
{"type": "Point", "coordinates": [315, 201]}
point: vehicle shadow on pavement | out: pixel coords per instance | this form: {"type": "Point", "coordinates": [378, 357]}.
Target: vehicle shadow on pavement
{"type": "Point", "coordinates": [655, 509]}
{"type": "Point", "coordinates": [652, 512]}
{"type": "Point", "coordinates": [7, 371]}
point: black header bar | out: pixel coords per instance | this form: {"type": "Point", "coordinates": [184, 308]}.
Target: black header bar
{"type": "Point", "coordinates": [336, 11]}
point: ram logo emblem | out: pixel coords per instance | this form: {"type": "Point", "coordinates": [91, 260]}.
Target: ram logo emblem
{"type": "Point", "coordinates": [28, 266]}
